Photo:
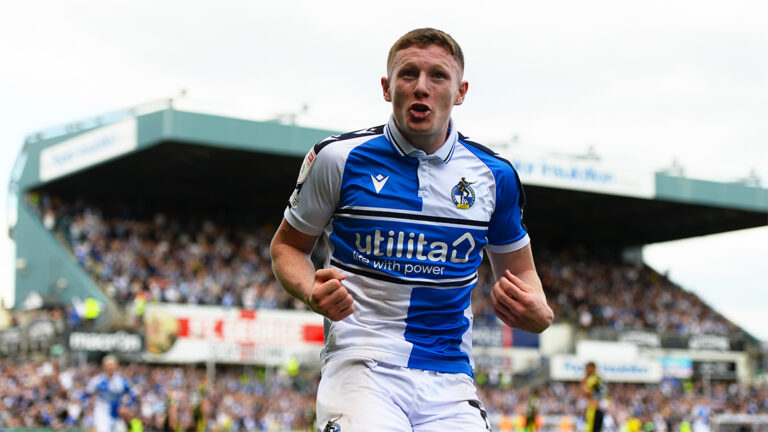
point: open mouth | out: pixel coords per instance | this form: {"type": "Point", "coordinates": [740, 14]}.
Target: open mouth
{"type": "Point", "coordinates": [419, 109]}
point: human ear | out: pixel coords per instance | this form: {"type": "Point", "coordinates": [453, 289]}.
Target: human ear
{"type": "Point", "coordinates": [463, 87]}
{"type": "Point", "coordinates": [385, 89]}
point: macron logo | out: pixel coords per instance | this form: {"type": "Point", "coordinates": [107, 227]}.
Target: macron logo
{"type": "Point", "coordinates": [379, 181]}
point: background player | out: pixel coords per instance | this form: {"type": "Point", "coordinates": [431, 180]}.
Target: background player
{"type": "Point", "coordinates": [594, 389]}
{"type": "Point", "coordinates": [109, 387]}
{"type": "Point", "coordinates": [404, 252]}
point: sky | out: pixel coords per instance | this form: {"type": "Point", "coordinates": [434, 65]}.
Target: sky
{"type": "Point", "coordinates": [642, 83]}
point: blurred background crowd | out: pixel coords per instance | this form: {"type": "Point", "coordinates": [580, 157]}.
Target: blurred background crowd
{"type": "Point", "coordinates": [169, 397]}
{"type": "Point", "coordinates": [139, 256]}
{"type": "Point", "coordinates": [237, 398]}
{"type": "Point", "coordinates": [199, 260]}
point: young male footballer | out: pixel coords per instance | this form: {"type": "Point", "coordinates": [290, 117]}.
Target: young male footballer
{"type": "Point", "coordinates": [405, 211]}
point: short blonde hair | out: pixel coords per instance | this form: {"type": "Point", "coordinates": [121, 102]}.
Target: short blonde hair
{"type": "Point", "coordinates": [423, 38]}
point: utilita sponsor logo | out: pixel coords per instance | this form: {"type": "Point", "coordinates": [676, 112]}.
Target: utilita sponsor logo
{"type": "Point", "coordinates": [412, 245]}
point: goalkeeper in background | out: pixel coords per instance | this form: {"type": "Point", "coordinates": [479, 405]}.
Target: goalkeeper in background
{"type": "Point", "coordinates": [594, 390]}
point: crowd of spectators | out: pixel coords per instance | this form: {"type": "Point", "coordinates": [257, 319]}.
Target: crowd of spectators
{"type": "Point", "coordinates": [44, 394]}
{"type": "Point", "coordinates": [665, 405]}
{"type": "Point", "coordinates": [201, 260]}
{"type": "Point", "coordinates": [594, 292]}
{"type": "Point", "coordinates": [623, 296]}
{"type": "Point", "coordinates": [41, 394]}
{"type": "Point", "coordinates": [172, 259]}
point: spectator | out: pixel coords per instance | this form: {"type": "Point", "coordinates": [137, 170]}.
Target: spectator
{"type": "Point", "coordinates": [175, 259]}
{"type": "Point", "coordinates": [38, 394]}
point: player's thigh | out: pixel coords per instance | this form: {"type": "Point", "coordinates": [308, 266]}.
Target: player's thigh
{"type": "Point", "coordinates": [448, 401]}
{"type": "Point", "coordinates": [465, 416]}
{"type": "Point", "coordinates": [597, 423]}
{"type": "Point", "coordinates": [352, 398]}
{"type": "Point", "coordinates": [102, 421]}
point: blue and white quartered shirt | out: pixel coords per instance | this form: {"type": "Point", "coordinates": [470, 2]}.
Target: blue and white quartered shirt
{"type": "Point", "coordinates": [408, 230]}
{"type": "Point", "coordinates": [109, 393]}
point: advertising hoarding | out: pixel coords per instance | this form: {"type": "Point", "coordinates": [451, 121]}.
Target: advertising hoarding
{"type": "Point", "coordinates": [194, 334]}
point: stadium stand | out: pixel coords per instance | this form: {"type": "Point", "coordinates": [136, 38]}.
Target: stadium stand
{"type": "Point", "coordinates": [45, 394]}
{"type": "Point", "coordinates": [173, 259]}
{"type": "Point", "coordinates": [606, 292]}
{"type": "Point", "coordinates": [42, 394]}
{"type": "Point", "coordinates": [196, 260]}
{"type": "Point", "coordinates": [176, 209]}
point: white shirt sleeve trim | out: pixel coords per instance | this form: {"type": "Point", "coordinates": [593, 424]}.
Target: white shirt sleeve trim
{"type": "Point", "coordinates": [510, 247]}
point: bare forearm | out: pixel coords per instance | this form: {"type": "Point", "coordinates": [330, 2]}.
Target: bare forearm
{"type": "Point", "coordinates": [518, 295]}
{"type": "Point", "coordinates": [532, 278]}
{"type": "Point", "coordinates": [321, 290]}
{"type": "Point", "coordinates": [293, 269]}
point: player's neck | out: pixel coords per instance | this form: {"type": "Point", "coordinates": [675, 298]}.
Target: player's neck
{"type": "Point", "coordinates": [428, 143]}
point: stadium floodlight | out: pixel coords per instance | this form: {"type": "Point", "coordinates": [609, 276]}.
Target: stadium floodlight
{"type": "Point", "coordinates": [752, 179]}
{"type": "Point", "coordinates": [675, 169]}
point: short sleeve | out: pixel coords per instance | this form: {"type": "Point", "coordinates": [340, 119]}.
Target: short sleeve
{"type": "Point", "coordinates": [92, 384]}
{"type": "Point", "coordinates": [506, 231]}
{"type": "Point", "coordinates": [313, 202]}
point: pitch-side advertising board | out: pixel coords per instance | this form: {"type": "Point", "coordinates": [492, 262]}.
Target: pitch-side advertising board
{"type": "Point", "coordinates": [571, 368]}
{"type": "Point", "coordinates": [195, 334]}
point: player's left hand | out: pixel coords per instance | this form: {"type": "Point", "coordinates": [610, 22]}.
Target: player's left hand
{"type": "Point", "coordinates": [519, 305]}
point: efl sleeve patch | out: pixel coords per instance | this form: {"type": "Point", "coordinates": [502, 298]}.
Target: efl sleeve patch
{"type": "Point", "coordinates": [314, 200]}
{"type": "Point", "coordinates": [309, 159]}
{"type": "Point", "coordinates": [306, 166]}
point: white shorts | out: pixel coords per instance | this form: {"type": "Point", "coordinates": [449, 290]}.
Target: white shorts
{"type": "Point", "coordinates": [365, 395]}
{"type": "Point", "coordinates": [103, 421]}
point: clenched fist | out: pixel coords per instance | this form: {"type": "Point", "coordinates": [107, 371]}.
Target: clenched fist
{"type": "Point", "coordinates": [519, 305]}
{"type": "Point", "coordinates": [328, 297]}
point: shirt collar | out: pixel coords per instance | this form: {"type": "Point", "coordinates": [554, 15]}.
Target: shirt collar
{"type": "Point", "coordinates": [405, 148]}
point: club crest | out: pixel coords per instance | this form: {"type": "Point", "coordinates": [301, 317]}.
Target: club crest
{"type": "Point", "coordinates": [332, 426]}
{"type": "Point", "coordinates": [462, 194]}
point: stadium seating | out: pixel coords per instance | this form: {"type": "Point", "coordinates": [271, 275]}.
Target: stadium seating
{"type": "Point", "coordinates": [204, 259]}
{"type": "Point", "coordinates": [201, 260]}
{"type": "Point", "coordinates": [43, 394]}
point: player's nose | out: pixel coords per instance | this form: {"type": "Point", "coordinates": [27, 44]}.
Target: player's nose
{"type": "Point", "coordinates": [421, 87]}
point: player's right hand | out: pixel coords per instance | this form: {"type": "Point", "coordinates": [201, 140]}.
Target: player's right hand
{"type": "Point", "coordinates": [328, 297]}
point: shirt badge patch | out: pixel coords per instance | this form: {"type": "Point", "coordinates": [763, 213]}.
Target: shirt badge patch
{"type": "Point", "coordinates": [309, 159]}
{"type": "Point", "coordinates": [462, 194]}
{"type": "Point", "coordinates": [332, 426]}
